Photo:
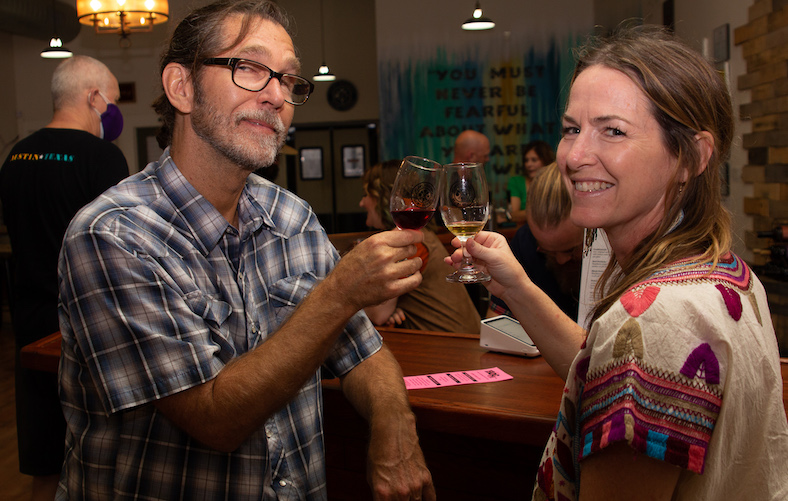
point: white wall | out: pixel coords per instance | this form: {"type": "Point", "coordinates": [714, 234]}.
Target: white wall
{"type": "Point", "coordinates": [407, 25]}
{"type": "Point", "coordinates": [349, 30]}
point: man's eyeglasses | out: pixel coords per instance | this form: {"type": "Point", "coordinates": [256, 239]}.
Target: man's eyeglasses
{"type": "Point", "coordinates": [253, 76]}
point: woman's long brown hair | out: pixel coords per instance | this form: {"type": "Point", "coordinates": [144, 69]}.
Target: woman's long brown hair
{"type": "Point", "coordinates": [687, 96]}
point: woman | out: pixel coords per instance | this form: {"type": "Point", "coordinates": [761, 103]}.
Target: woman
{"type": "Point", "coordinates": [536, 156]}
{"type": "Point", "coordinates": [435, 305]}
{"type": "Point", "coordinates": [676, 388]}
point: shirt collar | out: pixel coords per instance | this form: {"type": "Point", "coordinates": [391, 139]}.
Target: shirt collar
{"type": "Point", "coordinates": [197, 216]}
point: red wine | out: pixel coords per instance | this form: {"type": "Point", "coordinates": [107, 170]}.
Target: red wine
{"type": "Point", "coordinates": [412, 218]}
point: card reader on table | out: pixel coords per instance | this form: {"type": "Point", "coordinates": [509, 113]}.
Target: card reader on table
{"type": "Point", "coordinates": [505, 334]}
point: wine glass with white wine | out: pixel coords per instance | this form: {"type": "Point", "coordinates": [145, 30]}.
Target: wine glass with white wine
{"type": "Point", "coordinates": [465, 208]}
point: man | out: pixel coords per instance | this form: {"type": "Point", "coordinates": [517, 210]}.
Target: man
{"type": "Point", "coordinates": [471, 146]}
{"type": "Point", "coordinates": [199, 308]}
{"type": "Point", "coordinates": [46, 179]}
{"type": "Point", "coordinates": [549, 246]}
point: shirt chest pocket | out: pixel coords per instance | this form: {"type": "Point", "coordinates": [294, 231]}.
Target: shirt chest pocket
{"type": "Point", "coordinates": [285, 294]}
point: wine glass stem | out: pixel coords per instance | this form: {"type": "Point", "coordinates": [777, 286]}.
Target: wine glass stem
{"type": "Point", "coordinates": [467, 260]}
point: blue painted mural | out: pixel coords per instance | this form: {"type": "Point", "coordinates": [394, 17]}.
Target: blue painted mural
{"type": "Point", "coordinates": [426, 103]}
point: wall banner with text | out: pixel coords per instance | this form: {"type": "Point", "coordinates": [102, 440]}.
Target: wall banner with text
{"type": "Point", "coordinates": [427, 101]}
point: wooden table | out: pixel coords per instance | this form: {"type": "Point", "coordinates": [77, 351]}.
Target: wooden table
{"type": "Point", "coordinates": [481, 441]}
{"type": "Point", "coordinates": [42, 355]}
{"type": "Point", "coordinates": [521, 410]}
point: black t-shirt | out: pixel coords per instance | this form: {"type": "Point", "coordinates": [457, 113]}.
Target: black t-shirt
{"type": "Point", "coordinates": [524, 247]}
{"type": "Point", "coordinates": [46, 179]}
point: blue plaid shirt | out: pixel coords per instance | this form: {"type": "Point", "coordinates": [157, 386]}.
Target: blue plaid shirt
{"type": "Point", "coordinates": [158, 293]}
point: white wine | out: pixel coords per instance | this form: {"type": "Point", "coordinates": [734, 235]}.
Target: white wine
{"type": "Point", "coordinates": [465, 229]}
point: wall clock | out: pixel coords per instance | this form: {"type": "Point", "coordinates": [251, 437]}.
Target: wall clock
{"type": "Point", "coordinates": [342, 95]}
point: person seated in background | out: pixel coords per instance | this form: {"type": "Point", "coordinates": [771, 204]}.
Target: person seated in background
{"type": "Point", "coordinates": [549, 246]}
{"type": "Point", "coordinates": [536, 155]}
{"type": "Point", "coordinates": [435, 305]}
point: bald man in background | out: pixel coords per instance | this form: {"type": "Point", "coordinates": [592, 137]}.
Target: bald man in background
{"type": "Point", "coordinates": [46, 179]}
{"type": "Point", "coordinates": [471, 146]}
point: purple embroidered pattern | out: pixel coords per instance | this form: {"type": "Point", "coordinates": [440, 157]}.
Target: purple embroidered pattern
{"type": "Point", "coordinates": [732, 301]}
{"type": "Point", "coordinates": [702, 360]}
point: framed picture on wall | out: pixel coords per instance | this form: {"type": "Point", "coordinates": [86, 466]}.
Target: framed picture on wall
{"type": "Point", "coordinates": [147, 147]}
{"type": "Point", "coordinates": [352, 161]}
{"type": "Point", "coordinates": [311, 163]}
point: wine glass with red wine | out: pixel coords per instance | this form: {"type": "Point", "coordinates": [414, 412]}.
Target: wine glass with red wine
{"type": "Point", "coordinates": [415, 193]}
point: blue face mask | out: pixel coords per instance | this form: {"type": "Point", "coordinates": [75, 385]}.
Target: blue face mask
{"type": "Point", "coordinates": [111, 120]}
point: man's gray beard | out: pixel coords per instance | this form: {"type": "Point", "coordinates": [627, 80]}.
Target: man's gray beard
{"type": "Point", "coordinates": [207, 121]}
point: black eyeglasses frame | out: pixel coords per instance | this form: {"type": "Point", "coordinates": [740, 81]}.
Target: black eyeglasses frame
{"type": "Point", "coordinates": [232, 63]}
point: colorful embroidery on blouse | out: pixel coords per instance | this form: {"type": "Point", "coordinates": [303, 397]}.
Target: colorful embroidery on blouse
{"type": "Point", "coordinates": [669, 417]}
{"type": "Point", "coordinates": [665, 415]}
{"type": "Point", "coordinates": [732, 301]}
{"type": "Point", "coordinates": [730, 269]}
{"type": "Point", "coordinates": [637, 301]}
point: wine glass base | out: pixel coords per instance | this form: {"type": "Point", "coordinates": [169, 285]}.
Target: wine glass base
{"type": "Point", "coordinates": [468, 276]}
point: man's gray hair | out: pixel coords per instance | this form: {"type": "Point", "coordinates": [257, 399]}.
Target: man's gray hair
{"type": "Point", "coordinates": [75, 76]}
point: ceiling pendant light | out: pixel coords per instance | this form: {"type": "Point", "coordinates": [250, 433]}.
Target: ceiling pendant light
{"type": "Point", "coordinates": [323, 73]}
{"type": "Point", "coordinates": [122, 17]}
{"type": "Point", "coordinates": [478, 21]}
{"type": "Point", "coordinates": [55, 49]}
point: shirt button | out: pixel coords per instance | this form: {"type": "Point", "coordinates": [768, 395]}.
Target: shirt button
{"type": "Point", "coordinates": [282, 483]}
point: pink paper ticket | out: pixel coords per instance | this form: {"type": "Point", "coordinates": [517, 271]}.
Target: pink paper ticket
{"type": "Point", "coordinates": [442, 379]}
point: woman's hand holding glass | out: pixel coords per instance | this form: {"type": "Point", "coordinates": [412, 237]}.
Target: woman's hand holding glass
{"type": "Point", "coordinates": [491, 251]}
